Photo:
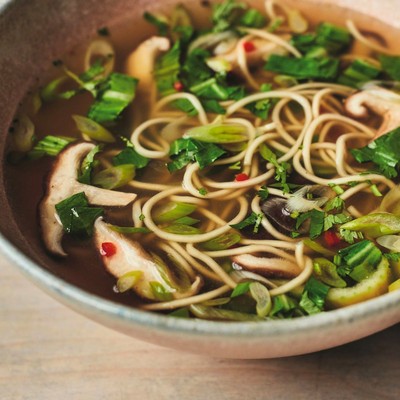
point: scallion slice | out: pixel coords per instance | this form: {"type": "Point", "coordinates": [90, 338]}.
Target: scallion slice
{"type": "Point", "coordinates": [217, 133]}
{"type": "Point", "coordinates": [128, 280]}
{"type": "Point", "coordinates": [222, 242]}
{"type": "Point", "coordinates": [172, 211]}
{"type": "Point", "coordinates": [262, 297]}
{"type": "Point", "coordinates": [93, 130]}
{"type": "Point", "coordinates": [114, 177]}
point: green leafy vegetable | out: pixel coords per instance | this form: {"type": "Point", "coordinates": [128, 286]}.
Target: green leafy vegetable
{"type": "Point", "coordinates": [129, 229]}
{"type": "Point", "coordinates": [252, 18]}
{"type": "Point", "coordinates": [226, 14]}
{"type": "Point", "coordinates": [113, 95]}
{"type": "Point", "coordinates": [359, 72]}
{"type": "Point", "coordinates": [130, 156]}
{"type": "Point", "coordinates": [384, 152]}
{"type": "Point", "coordinates": [359, 260]}
{"type": "Point", "coordinates": [326, 272]}
{"type": "Point", "coordinates": [313, 297]}
{"type": "Point", "coordinates": [303, 68]}
{"type": "Point", "coordinates": [253, 219]}
{"type": "Point", "coordinates": [76, 216]}
{"type": "Point", "coordinates": [184, 151]}
{"type": "Point", "coordinates": [391, 65]}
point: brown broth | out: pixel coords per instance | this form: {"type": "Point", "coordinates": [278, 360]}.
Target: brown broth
{"type": "Point", "coordinates": [24, 182]}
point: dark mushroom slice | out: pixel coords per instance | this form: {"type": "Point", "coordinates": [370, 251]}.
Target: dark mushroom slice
{"type": "Point", "coordinates": [380, 101]}
{"type": "Point", "coordinates": [63, 183]}
{"type": "Point", "coordinates": [129, 256]}
{"type": "Point", "coordinates": [269, 267]}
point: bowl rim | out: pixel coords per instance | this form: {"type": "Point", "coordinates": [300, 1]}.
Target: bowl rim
{"type": "Point", "coordinates": [47, 280]}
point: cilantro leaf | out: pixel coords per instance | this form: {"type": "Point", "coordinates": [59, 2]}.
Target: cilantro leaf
{"type": "Point", "coordinates": [384, 152]}
{"type": "Point", "coordinates": [253, 219]}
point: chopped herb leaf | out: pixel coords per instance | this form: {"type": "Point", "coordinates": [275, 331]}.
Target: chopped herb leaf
{"type": "Point", "coordinates": [316, 222]}
{"type": "Point", "coordinates": [334, 219]}
{"type": "Point", "coordinates": [76, 216]}
{"type": "Point", "coordinates": [350, 236]}
{"type": "Point", "coordinates": [253, 219]}
{"type": "Point", "coordinates": [337, 203]}
{"type": "Point", "coordinates": [263, 193]}
{"type": "Point", "coordinates": [282, 170]}
{"type": "Point", "coordinates": [384, 152]}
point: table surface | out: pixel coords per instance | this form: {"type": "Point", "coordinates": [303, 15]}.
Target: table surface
{"type": "Point", "coordinates": [49, 352]}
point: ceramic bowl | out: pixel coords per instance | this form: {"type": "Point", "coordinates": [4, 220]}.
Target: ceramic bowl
{"type": "Point", "coordinates": [34, 33]}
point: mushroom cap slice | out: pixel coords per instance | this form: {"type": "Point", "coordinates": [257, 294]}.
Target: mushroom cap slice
{"type": "Point", "coordinates": [268, 267]}
{"type": "Point", "coordinates": [62, 183]}
{"type": "Point", "coordinates": [140, 64]}
{"type": "Point", "coordinates": [130, 256]}
{"type": "Point", "coordinates": [380, 101]}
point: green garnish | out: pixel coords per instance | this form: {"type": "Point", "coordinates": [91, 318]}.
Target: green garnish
{"type": "Point", "coordinates": [317, 219]}
{"type": "Point", "coordinates": [160, 292]}
{"type": "Point", "coordinates": [227, 14]}
{"type": "Point", "coordinates": [222, 242]}
{"type": "Point", "coordinates": [261, 296]}
{"type": "Point", "coordinates": [282, 169]}
{"type": "Point", "coordinates": [392, 256]}
{"type": "Point", "coordinates": [253, 219]}
{"type": "Point", "coordinates": [114, 177]}
{"type": "Point", "coordinates": [241, 288]}
{"type": "Point", "coordinates": [76, 216]}
{"type": "Point", "coordinates": [185, 151]}
{"type": "Point", "coordinates": [313, 296]}
{"type": "Point", "coordinates": [384, 152]}
{"type": "Point", "coordinates": [129, 229]}
{"type": "Point", "coordinates": [159, 21]}
{"type": "Point", "coordinates": [326, 272]}
{"type": "Point", "coordinates": [172, 211]}
{"type": "Point", "coordinates": [359, 72]}
{"type": "Point", "coordinates": [182, 229]}
{"type": "Point", "coordinates": [391, 65]}
{"type": "Point", "coordinates": [113, 95]}
{"type": "Point", "coordinates": [130, 156]}
{"type": "Point", "coordinates": [217, 133]}
{"type": "Point", "coordinates": [263, 193]}
{"type": "Point", "coordinates": [359, 260]}
{"type": "Point", "coordinates": [303, 68]}
{"type": "Point", "coordinates": [49, 146]}
{"type": "Point", "coordinates": [88, 164]}
{"type": "Point", "coordinates": [93, 130]}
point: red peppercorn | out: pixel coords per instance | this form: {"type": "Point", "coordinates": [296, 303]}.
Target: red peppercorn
{"type": "Point", "coordinates": [331, 238]}
{"type": "Point", "coordinates": [108, 249]}
{"type": "Point", "coordinates": [178, 86]}
{"type": "Point", "coordinates": [241, 177]}
{"type": "Point", "coordinates": [249, 47]}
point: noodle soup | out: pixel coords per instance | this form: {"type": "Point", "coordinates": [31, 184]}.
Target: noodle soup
{"type": "Point", "coordinates": [241, 170]}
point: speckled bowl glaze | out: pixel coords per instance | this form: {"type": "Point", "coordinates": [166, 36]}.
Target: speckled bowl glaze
{"type": "Point", "coordinates": [35, 32]}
